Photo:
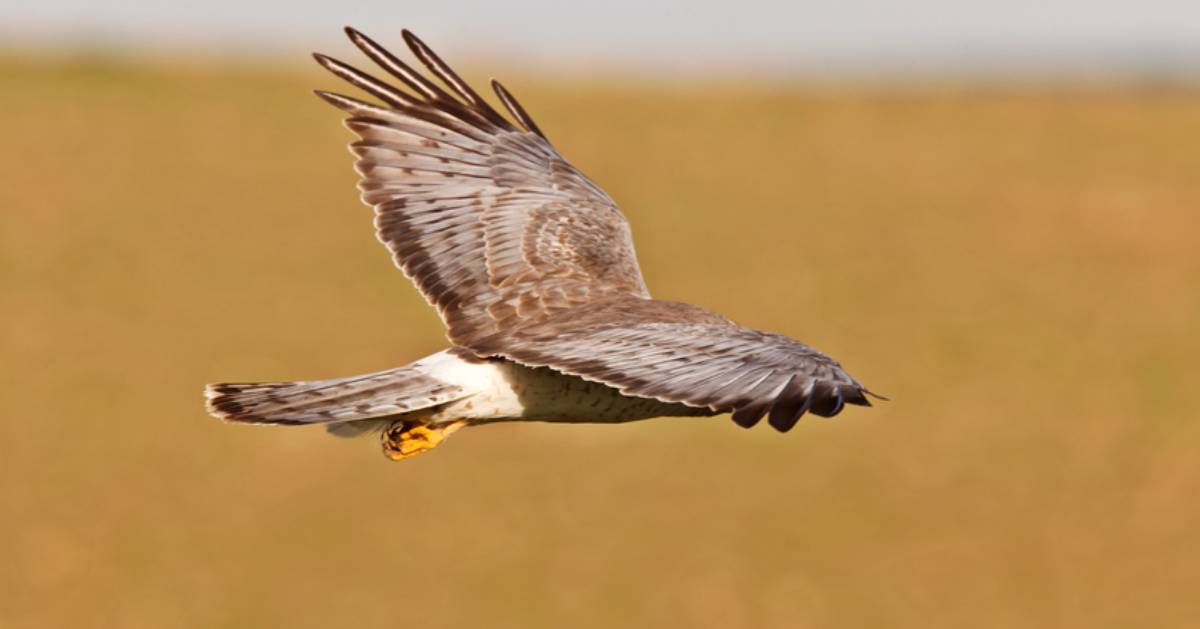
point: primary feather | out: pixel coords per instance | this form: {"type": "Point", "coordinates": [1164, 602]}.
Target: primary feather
{"type": "Point", "coordinates": [532, 268]}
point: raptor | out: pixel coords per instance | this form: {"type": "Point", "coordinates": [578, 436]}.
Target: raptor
{"type": "Point", "coordinates": [531, 266]}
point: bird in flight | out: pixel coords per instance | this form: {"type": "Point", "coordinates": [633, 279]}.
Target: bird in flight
{"type": "Point", "coordinates": [531, 267]}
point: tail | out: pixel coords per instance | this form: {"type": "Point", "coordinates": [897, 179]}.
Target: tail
{"type": "Point", "coordinates": [352, 399]}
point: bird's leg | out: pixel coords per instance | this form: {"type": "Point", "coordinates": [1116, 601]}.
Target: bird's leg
{"type": "Point", "coordinates": [408, 438]}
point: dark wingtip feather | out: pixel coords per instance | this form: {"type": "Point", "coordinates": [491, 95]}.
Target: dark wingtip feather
{"type": "Point", "coordinates": [749, 415]}
{"type": "Point", "coordinates": [447, 75]}
{"type": "Point", "coordinates": [785, 420]}
{"type": "Point", "coordinates": [514, 107]}
{"type": "Point", "coordinates": [411, 39]}
{"type": "Point", "coordinates": [337, 100]}
{"type": "Point", "coordinates": [397, 68]}
{"type": "Point", "coordinates": [329, 63]}
{"type": "Point", "coordinates": [854, 395]}
{"type": "Point", "coordinates": [360, 40]}
{"type": "Point", "coordinates": [789, 406]}
{"type": "Point", "coordinates": [825, 399]}
{"type": "Point", "coordinates": [364, 81]}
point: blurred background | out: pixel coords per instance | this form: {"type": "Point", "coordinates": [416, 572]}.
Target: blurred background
{"type": "Point", "coordinates": [989, 213]}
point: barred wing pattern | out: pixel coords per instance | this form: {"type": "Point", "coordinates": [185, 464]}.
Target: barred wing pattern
{"type": "Point", "coordinates": [487, 219]}
{"type": "Point", "coordinates": [680, 353]}
{"type": "Point", "coordinates": [526, 259]}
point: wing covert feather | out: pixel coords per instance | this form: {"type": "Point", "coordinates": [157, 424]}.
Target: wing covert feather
{"type": "Point", "coordinates": [490, 222]}
{"type": "Point", "coordinates": [526, 258]}
{"type": "Point", "coordinates": [680, 353]}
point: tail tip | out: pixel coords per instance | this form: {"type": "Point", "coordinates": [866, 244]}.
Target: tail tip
{"type": "Point", "coordinates": [220, 402]}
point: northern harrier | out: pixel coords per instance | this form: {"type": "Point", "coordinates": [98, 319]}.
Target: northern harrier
{"type": "Point", "coordinates": [531, 267]}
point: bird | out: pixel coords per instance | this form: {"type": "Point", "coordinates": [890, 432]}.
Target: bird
{"type": "Point", "coordinates": [532, 269]}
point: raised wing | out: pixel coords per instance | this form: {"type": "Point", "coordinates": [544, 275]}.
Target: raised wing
{"type": "Point", "coordinates": [484, 215]}
{"type": "Point", "coordinates": [680, 353]}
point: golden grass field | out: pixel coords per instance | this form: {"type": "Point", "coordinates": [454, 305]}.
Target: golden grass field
{"type": "Point", "coordinates": [1017, 267]}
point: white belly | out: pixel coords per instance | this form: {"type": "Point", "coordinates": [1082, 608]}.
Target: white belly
{"type": "Point", "coordinates": [503, 390]}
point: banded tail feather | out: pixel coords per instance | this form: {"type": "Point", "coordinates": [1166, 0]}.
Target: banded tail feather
{"type": "Point", "coordinates": [367, 396]}
{"type": "Point", "coordinates": [532, 268]}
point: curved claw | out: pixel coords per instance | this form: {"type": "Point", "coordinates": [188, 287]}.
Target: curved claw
{"type": "Point", "coordinates": [405, 439]}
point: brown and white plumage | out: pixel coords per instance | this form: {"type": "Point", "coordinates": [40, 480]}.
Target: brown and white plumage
{"type": "Point", "coordinates": [489, 221]}
{"type": "Point", "coordinates": [532, 268]}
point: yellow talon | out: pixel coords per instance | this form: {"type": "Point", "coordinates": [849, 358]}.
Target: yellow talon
{"type": "Point", "coordinates": [405, 439]}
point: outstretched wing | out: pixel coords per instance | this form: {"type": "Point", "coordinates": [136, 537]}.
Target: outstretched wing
{"type": "Point", "coordinates": [680, 353]}
{"type": "Point", "coordinates": [484, 215]}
